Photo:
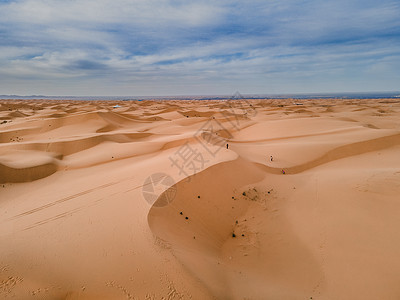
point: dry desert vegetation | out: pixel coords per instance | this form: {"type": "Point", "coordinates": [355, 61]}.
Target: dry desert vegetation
{"type": "Point", "coordinates": [240, 199]}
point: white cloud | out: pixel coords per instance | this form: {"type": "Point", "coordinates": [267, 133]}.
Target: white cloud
{"type": "Point", "coordinates": [145, 13]}
{"type": "Point", "coordinates": [155, 46]}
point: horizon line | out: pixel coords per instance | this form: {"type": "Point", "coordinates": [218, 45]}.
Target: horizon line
{"type": "Point", "coordinates": [251, 95]}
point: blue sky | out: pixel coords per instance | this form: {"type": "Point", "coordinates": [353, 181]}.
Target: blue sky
{"type": "Point", "coordinates": [161, 47]}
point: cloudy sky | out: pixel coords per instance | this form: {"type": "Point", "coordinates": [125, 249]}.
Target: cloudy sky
{"type": "Point", "coordinates": [162, 47]}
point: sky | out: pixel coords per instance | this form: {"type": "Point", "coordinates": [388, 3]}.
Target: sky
{"type": "Point", "coordinates": [162, 47]}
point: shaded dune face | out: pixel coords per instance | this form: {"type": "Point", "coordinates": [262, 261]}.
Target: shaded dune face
{"type": "Point", "coordinates": [56, 151]}
{"type": "Point", "coordinates": [211, 229]}
{"type": "Point", "coordinates": [341, 152]}
{"type": "Point", "coordinates": [56, 136]}
{"type": "Point", "coordinates": [73, 145]}
{"type": "Point", "coordinates": [9, 174]}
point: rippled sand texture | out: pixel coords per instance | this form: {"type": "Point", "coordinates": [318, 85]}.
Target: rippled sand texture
{"type": "Point", "coordinates": [83, 216]}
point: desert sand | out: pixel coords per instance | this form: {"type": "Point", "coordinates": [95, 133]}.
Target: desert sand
{"type": "Point", "coordinates": [145, 200]}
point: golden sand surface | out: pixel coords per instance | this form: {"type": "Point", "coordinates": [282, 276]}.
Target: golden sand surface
{"type": "Point", "coordinates": [239, 199]}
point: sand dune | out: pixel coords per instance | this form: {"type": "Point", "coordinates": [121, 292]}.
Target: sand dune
{"type": "Point", "coordinates": [181, 200]}
{"type": "Point", "coordinates": [217, 203]}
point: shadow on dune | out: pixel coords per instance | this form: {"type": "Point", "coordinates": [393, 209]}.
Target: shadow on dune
{"type": "Point", "coordinates": [10, 174]}
{"type": "Point", "coordinates": [340, 152]}
{"type": "Point", "coordinates": [198, 226]}
{"type": "Point", "coordinates": [344, 152]}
